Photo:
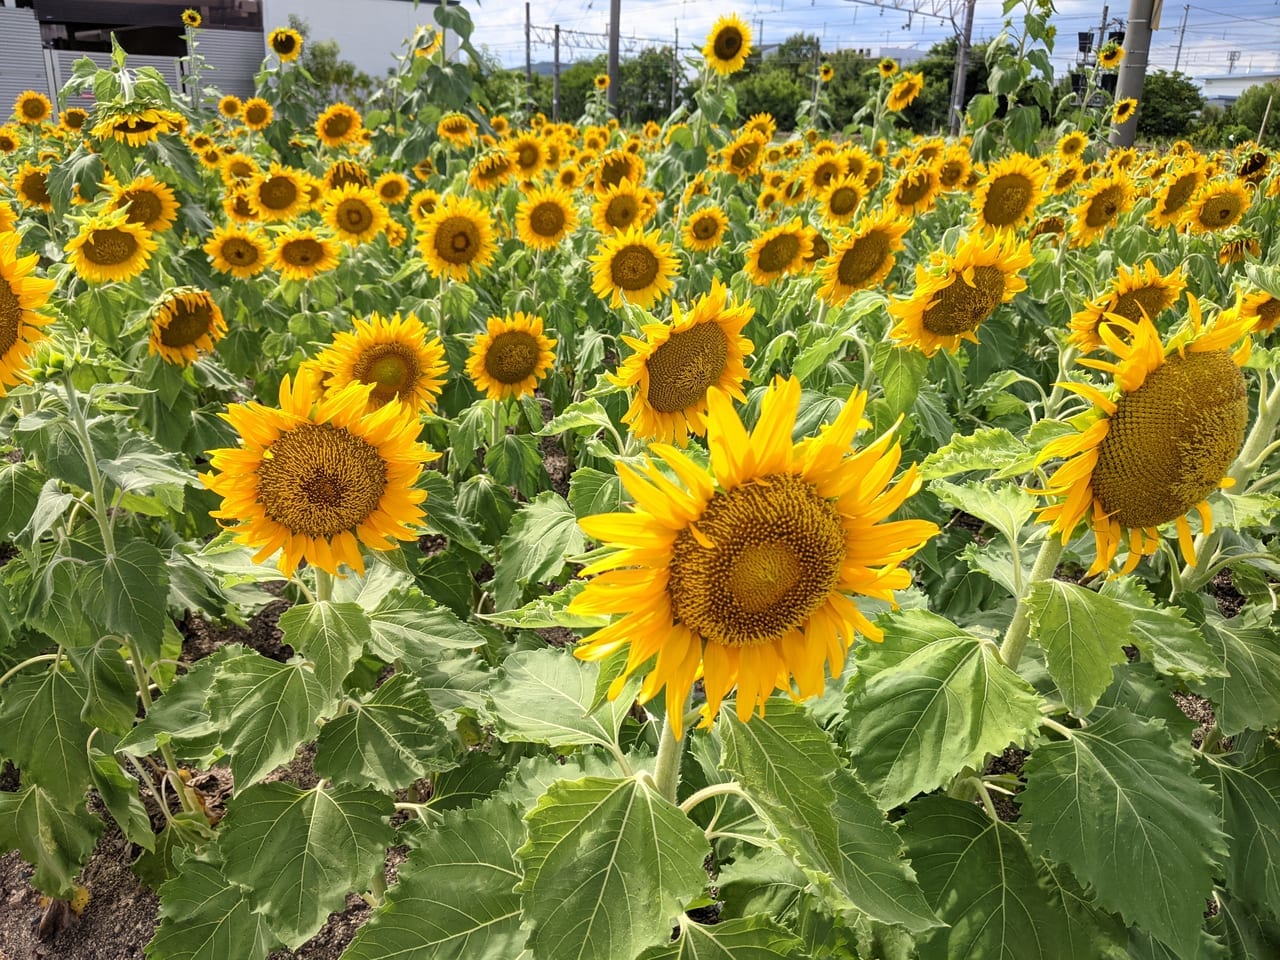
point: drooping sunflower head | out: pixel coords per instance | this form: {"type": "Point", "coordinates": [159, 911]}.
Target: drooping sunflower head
{"type": "Point", "coordinates": [340, 123]}
{"type": "Point", "coordinates": [741, 573]}
{"type": "Point", "coordinates": [237, 251]}
{"type": "Point", "coordinates": [230, 106]}
{"type": "Point", "coordinates": [1239, 247]}
{"type": "Point", "coordinates": [456, 129]}
{"type": "Point", "coordinates": [343, 172]}
{"type": "Point", "coordinates": [1008, 195]}
{"type": "Point", "coordinates": [1217, 206]}
{"type": "Point", "coordinates": [545, 217]}
{"type": "Point", "coordinates": [31, 183]}
{"type": "Point", "coordinates": [491, 169]}
{"type": "Point", "coordinates": [1105, 199]}
{"type": "Point", "coordinates": [1253, 168]}
{"type": "Point", "coordinates": [185, 322]}
{"type": "Point", "coordinates": [355, 214]}
{"type": "Point", "coordinates": [1263, 309]}
{"type": "Point", "coordinates": [905, 91]}
{"type": "Point", "coordinates": [139, 126]}
{"type": "Point", "coordinates": [147, 201]}
{"type": "Point", "coordinates": [457, 238]}
{"type": "Point", "coordinates": [397, 358]}
{"type": "Point", "coordinates": [32, 108]}
{"type": "Point", "coordinates": [777, 252]}
{"type": "Point", "coordinates": [727, 45]}
{"type": "Point", "coordinates": [22, 294]}
{"type": "Point", "coordinates": [302, 253]}
{"type": "Point", "coordinates": [863, 258]}
{"type": "Point", "coordinates": [192, 18]}
{"type": "Point", "coordinates": [1109, 57]}
{"type": "Point", "coordinates": [1124, 111]}
{"type": "Point", "coordinates": [916, 190]}
{"type": "Point", "coordinates": [111, 248]}
{"type": "Point", "coordinates": [633, 266]}
{"type": "Point", "coordinates": [316, 478]}
{"type": "Point", "coordinates": [285, 43]}
{"type": "Point", "coordinates": [1135, 293]}
{"type": "Point", "coordinates": [511, 356]}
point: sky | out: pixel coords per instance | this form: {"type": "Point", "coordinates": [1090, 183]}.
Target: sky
{"type": "Point", "coordinates": [1214, 28]}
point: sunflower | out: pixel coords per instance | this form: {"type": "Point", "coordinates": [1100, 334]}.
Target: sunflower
{"type": "Point", "coordinates": [1109, 57]}
{"type": "Point", "coordinates": [278, 194]}
{"type": "Point", "coordinates": [192, 18]}
{"type": "Point", "coordinates": [8, 219]}
{"type": "Point", "coordinates": [955, 294]}
{"type": "Point", "coordinates": [728, 45]}
{"type": "Point", "coordinates": [32, 108]}
{"type": "Point", "coordinates": [1253, 168]}
{"type": "Point", "coordinates": [456, 129]}
{"type": "Point", "coordinates": [10, 139]}
{"type": "Point", "coordinates": [239, 252]}
{"type": "Point", "coordinates": [601, 81]}
{"type": "Point", "coordinates": [740, 574]}
{"type": "Point", "coordinates": [905, 91]}
{"type": "Point", "coordinates": [149, 202]}
{"type": "Point", "coordinates": [491, 169]}
{"type": "Point", "coordinates": [398, 358]}
{"type": "Point", "coordinates": [1135, 293]}
{"type": "Point", "coordinates": [422, 204]}
{"type": "Point", "coordinates": [887, 67]}
{"type": "Point", "coordinates": [257, 114]}
{"type": "Point", "coordinates": [301, 253]}
{"type": "Point", "coordinates": [73, 119]}
{"type": "Point", "coordinates": [1124, 111]}
{"type": "Point", "coordinates": [392, 188]}
{"type": "Point", "coordinates": [110, 248]}
{"type": "Point", "coordinates": [1216, 206]}
{"type": "Point", "coordinates": [676, 364]}
{"type": "Point", "coordinates": [777, 252]}
{"type": "Point", "coordinates": [138, 128]}
{"type": "Point", "coordinates": [457, 238]}
{"type": "Point", "coordinates": [1073, 144]}
{"type": "Point", "coordinates": [1238, 248]}
{"type": "Point", "coordinates": [1065, 176]}
{"type": "Point", "coordinates": [238, 168]}
{"type": "Point", "coordinates": [286, 43]}
{"type": "Point", "coordinates": [742, 157]}
{"type": "Point", "coordinates": [616, 166]}
{"type": "Point", "coordinates": [826, 72]}
{"type": "Point", "coordinates": [22, 294]}
{"type": "Point", "coordinates": [342, 172]}
{"type": "Point", "coordinates": [704, 229]}
{"type": "Point", "coordinates": [528, 155]}
{"type": "Point", "coordinates": [230, 106]}
{"type": "Point", "coordinates": [185, 323]}
{"type": "Point", "coordinates": [510, 357]}
{"type": "Point", "coordinates": [237, 206]}
{"type": "Point", "coordinates": [863, 258]}
{"type": "Point", "coordinates": [954, 167]}
{"type": "Point", "coordinates": [355, 214]}
{"type": "Point", "coordinates": [820, 172]}
{"type": "Point", "coordinates": [1158, 448]}
{"type": "Point", "coordinates": [633, 266]}
{"type": "Point", "coordinates": [31, 183]}
{"type": "Point", "coordinates": [839, 202]}
{"type": "Point", "coordinates": [1104, 200]}
{"type": "Point", "coordinates": [621, 207]}
{"type": "Point", "coordinates": [424, 168]}
{"type": "Point", "coordinates": [916, 190]}
{"type": "Point", "coordinates": [339, 124]}
{"type": "Point", "coordinates": [544, 217]}
{"type": "Point", "coordinates": [1009, 193]}
{"type": "Point", "coordinates": [315, 479]}
{"type": "Point", "coordinates": [1263, 309]}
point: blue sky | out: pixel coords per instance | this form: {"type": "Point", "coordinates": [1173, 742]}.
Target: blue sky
{"type": "Point", "coordinates": [1214, 28]}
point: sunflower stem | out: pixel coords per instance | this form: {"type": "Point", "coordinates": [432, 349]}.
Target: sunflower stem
{"type": "Point", "coordinates": [324, 585]}
{"type": "Point", "coordinates": [1015, 640]}
{"type": "Point", "coordinates": [100, 511]}
{"type": "Point", "coordinates": [29, 662]}
{"type": "Point", "coordinates": [1258, 443]}
{"type": "Point", "coordinates": [730, 789]}
{"type": "Point", "coordinates": [666, 774]}
{"type": "Point", "coordinates": [140, 675]}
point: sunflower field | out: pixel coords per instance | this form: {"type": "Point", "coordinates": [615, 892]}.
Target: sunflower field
{"type": "Point", "coordinates": [562, 541]}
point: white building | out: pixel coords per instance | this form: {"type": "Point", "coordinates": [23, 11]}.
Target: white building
{"type": "Point", "coordinates": [1223, 89]}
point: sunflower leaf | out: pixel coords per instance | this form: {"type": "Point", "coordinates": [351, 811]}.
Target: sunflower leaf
{"type": "Point", "coordinates": [1251, 817]}
{"type": "Point", "coordinates": [42, 733]}
{"type": "Point", "coordinates": [330, 635]}
{"type": "Point", "coordinates": [983, 450]}
{"type": "Point", "coordinates": [1174, 645]}
{"type": "Point", "coordinates": [748, 938]}
{"type": "Point", "coordinates": [204, 916]}
{"type": "Point", "coordinates": [1083, 636]}
{"type": "Point", "coordinates": [19, 492]}
{"type": "Point", "coordinates": [1006, 507]}
{"type": "Point", "coordinates": [900, 371]}
{"type": "Point", "coordinates": [56, 840]}
{"type": "Point", "coordinates": [542, 535]}
{"type": "Point", "coordinates": [1247, 648]}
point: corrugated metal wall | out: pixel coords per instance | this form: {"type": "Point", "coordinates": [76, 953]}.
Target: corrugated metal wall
{"type": "Point", "coordinates": [235, 56]}
{"type": "Point", "coordinates": [21, 58]}
{"type": "Point", "coordinates": [64, 66]}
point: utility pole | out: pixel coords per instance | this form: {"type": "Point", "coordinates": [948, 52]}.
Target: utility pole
{"type": "Point", "coordinates": [1102, 29]}
{"type": "Point", "coordinates": [1182, 30]}
{"type": "Point", "coordinates": [962, 68]}
{"type": "Point", "coordinates": [675, 69]}
{"type": "Point", "coordinates": [555, 78]}
{"type": "Point", "coordinates": [1133, 69]}
{"type": "Point", "coordinates": [1266, 114]}
{"type": "Point", "coordinates": [528, 55]}
{"type": "Point", "coordinates": [615, 26]}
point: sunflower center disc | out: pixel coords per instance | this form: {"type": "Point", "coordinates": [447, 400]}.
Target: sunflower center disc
{"type": "Point", "coordinates": [1172, 440]}
{"type": "Point", "coordinates": [1134, 304]}
{"type": "Point", "coordinates": [255, 115]}
{"type": "Point", "coordinates": [355, 216]}
{"type": "Point", "coordinates": [390, 367]}
{"type": "Point", "coordinates": [959, 308]}
{"type": "Point", "coordinates": [528, 156]}
{"type": "Point", "coordinates": [634, 268]}
{"type": "Point", "coordinates": [457, 240]}
{"type": "Point", "coordinates": [1007, 200]}
{"type": "Point", "coordinates": [109, 247]}
{"type": "Point", "coordinates": [843, 201]}
{"type": "Point", "coordinates": [728, 43]}
{"type": "Point", "coordinates": [546, 219]}
{"type": "Point", "coordinates": [512, 357]}
{"type": "Point", "coordinates": [704, 228]}
{"type": "Point", "coordinates": [33, 109]}
{"type": "Point", "coordinates": [621, 213]}
{"type": "Point", "coordinates": [10, 317]}
{"type": "Point", "coordinates": [144, 207]}
{"type": "Point", "coordinates": [863, 260]}
{"type": "Point", "coordinates": [613, 171]}
{"type": "Point", "coordinates": [1104, 207]}
{"type": "Point", "coordinates": [137, 126]}
{"type": "Point", "coordinates": [278, 193]}
{"type": "Point", "coordinates": [913, 188]}
{"type": "Point", "coordinates": [777, 548]}
{"type": "Point", "coordinates": [302, 253]}
{"type": "Point", "coordinates": [1269, 314]}
{"type": "Point", "coordinates": [36, 187]}
{"type": "Point", "coordinates": [337, 126]}
{"type": "Point", "coordinates": [320, 480]}
{"type": "Point", "coordinates": [238, 251]}
{"type": "Point", "coordinates": [1220, 211]}
{"type": "Point", "coordinates": [681, 370]}
{"type": "Point", "coordinates": [187, 324]}
{"type": "Point", "coordinates": [1179, 193]}
{"type": "Point", "coordinates": [779, 253]}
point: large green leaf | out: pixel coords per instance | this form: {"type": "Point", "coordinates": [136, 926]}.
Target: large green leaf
{"type": "Point", "coordinates": [204, 916]}
{"type": "Point", "coordinates": [134, 582]}
{"type": "Point", "coordinates": [110, 689]}
{"type": "Point", "coordinates": [979, 876]}
{"type": "Point", "coordinates": [1090, 931]}
{"type": "Point", "coordinates": [985, 450]}
{"type": "Point", "coordinates": [299, 853]}
{"type": "Point", "coordinates": [542, 535]}
{"type": "Point", "coordinates": [389, 739]}
{"type": "Point", "coordinates": [1120, 803]}
{"type": "Point", "coordinates": [1163, 634]}
{"type": "Point", "coordinates": [928, 702]}
{"type": "Point", "coordinates": [1007, 507]}
{"type": "Point", "coordinates": [1251, 817]}
{"type": "Point", "coordinates": [455, 898]}
{"type": "Point", "coordinates": [409, 626]}
{"type": "Point", "coordinates": [1083, 637]}
{"type": "Point", "coordinates": [179, 716]}
{"type": "Point", "coordinates": [1248, 649]}
{"type": "Point", "coordinates": [608, 865]}
{"type": "Point", "coordinates": [748, 938]}
{"type": "Point", "coordinates": [827, 822]}
{"type": "Point", "coordinates": [42, 733]}
{"type": "Point", "coordinates": [119, 792]}
{"type": "Point", "coordinates": [19, 491]}
{"type": "Point", "coordinates": [330, 635]}
{"type": "Point", "coordinates": [56, 840]}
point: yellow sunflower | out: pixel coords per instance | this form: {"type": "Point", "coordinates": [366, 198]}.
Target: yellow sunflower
{"type": "Point", "coordinates": [956, 293]}
{"type": "Point", "coordinates": [398, 358]}
{"type": "Point", "coordinates": [8, 219]}
{"type": "Point", "coordinates": [457, 238]}
{"type": "Point", "coordinates": [32, 108]}
{"type": "Point", "coordinates": [192, 18]}
{"type": "Point", "coordinates": [862, 258]}
{"type": "Point", "coordinates": [839, 202]}
{"type": "Point", "coordinates": [1072, 144]}
{"type": "Point", "coordinates": [1065, 176]}
{"type": "Point", "coordinates": [491, 169]}
{"type": "Point", "coordinates": [1216, 206]}
{"type": "Point", "coordinates": [954, 167]}
{"type": "Point", "coordinates": [257, 114]}
{"type": "Point", "coordinates": [1154, 451]}
{"type": "Point", "coordinates": [185, 323]}
{"type": "Point", "coordinates": [314, 479]}
{"type": "Point", "coordinates": [905, 91]}
{"type": "Point", "coordinates": [826, 72]}
{"type": "Point", "coordinates": [528, 155]}
{"type": "Point", "coordinates": [278, 194]}
{"type": "Point", "coordinates": [742, 157]}
{"type": "Point", "coordinates": [237, 205]}
{"type": "Point", "coordinates": [510, 357]}
{"type": "Point", "coordinates": [138, 127]}
{"type": "Point", "coordinates": [916, 190]}
{"type": "Point", "coordinates": [1238, 248]}
{"type": "Point", "coordinates": [148, 201]}
{"type": "Point", "coordinates": [339, 124]}
{"type": "Point", "coordinates": [73, 119]}
{"type": "Point", "coordinates": [342, 172]}
{"type": "Point", "coordinates": [676, 364]}
{"type": "Point", "coordinates": [1008, 195]}
{"type": "Point", "coordinates": [1109, 57]}
{"type": "Point", "coordinates": [237, 168]}
{"type": "Point", "coordinates": [239, 252]}
{"type": "Point", "coordinates": [392, 188]}
{"type": "Point", "coordinates": [22, 294]}
{"type": "Point", "coordinates": [740, 574]}
{"type": "Point", "coordinates": [422, 204]}
{"type": "Point", "coordinates": [1105, 200]}
{"type": "Point", "coordinates": [10, 139]}
{"type": "Point", "coordinates": [602, 81]}
{"type": "Point", "coordinates": [704, 229]}
{"type": "Point", "coordinates": [545, 217]}
{"type": "Point", "coordinates": [424, 168]}
{"type": "Point", "coordinates": [1124, 111]}
{"type": "Point", "coordinates": [456, 129]}
{"type": "Point", "coordinates": [728, 45]}
{"type": "Point", "coordinates": [633, 266]}
{"type": "Point", "coordinates": [1136, 292]}
{"type": "Point", "coordinates": [619, 208]}
{"type": "Point", "coordinates": [230, 106]}
{"type": "Point", "coordinates": [286, 43]}
{"type": "Point", "coordinates": [887, 67]}
{"type": "Point", "coordinates": [31, 183]}
{"type": "Point", "coordinates": [355, 214]}
{"type": "Point", "coordinates": [777, 252]}
{"type": "Point", "coordinates": [616, 166]}
{"type": "Point", "coordinates": [301, 253]}
{"type": "Point", "coordinates": [110, 248]}
{"type": "Point", "coordinates": [1263, 309]}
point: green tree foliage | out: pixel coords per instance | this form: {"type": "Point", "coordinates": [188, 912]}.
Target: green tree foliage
{"type": "Point", "coordinates": [1171, 104]}
{"type": "Point", "coordinates": [1249, 109]}
{"type": "Point", "coordinates": [341, 79]}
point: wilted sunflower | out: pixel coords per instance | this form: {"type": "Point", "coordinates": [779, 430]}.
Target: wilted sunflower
{"type": "Point", "coordinates": [192, 18]}
{"type": "Point", "coordinates": [301, 253]}
{"type": "Point", "coordinates": [727, 45]}
{"type": "Point", "coordinates": [741, 573]}
{"type": "Point", "coordinates": [1104, 200]}
{"type": "Point", "coordinates": [510, 357]}
{"type": "Point", "coordinates": [1156, 450]}
{"type": "Point", "coordinates": [286, 43]}
{"type": "Point", "coordinates": [147, 201]}
{"type": "Point", "coordinates": [956, 293]}
{"type": "Point", "coordinates": [1136, 292]}
{"type": "Point", "coordinates": [1109, 57]}
{"type": "Point", "coordinates": [392, 188]}
{"type": "Point", "coordinates": [1253, 168]}
{"type": "Point", "coordinates": [916, 190]}
{"type": "Point", "coordinates": [239, 252]}
{"type": "Point", "coordinates": [457, 238]}
{"type": "Point", "coordinates": [777, 252]}
{"type": "Point", "coordinates": [110, 248]}
{"type": "Point", "coordinates": [340, 123]}
{"type": "Point", "coordinates": [315, 479]}
{"type": "Point", "coordinates": [31, 183]}
{"type": "Point", "coordinates": [32, 108]}
{"type": "Point", "coordinates": [257, 114]}
{"type": "Point", "coordinates": [342, 172]}
{"type": "Point", "coordinates": [355, 214]}
{"type": "Point", "coordinates": [545, 217]}
{"type": "Point", "coordinates": [22, 294]}
{"type": "Point", "coordinates": [73, 119]}
{"type": "Point", "coordinates": [230, 106]}
{"type": "Point", "coordinates": [140, 127]}
{"type": "Point", "coordinates": [704, 229]}
{"type": "Point", "coordinates": [1263, 309]}
{"type": "Point", "coordinates": [1072, 144]}
{"type": "Point", "coordinates": [456, 129]}
{"type": "Point", "coordinates": [620, 208]}
{"type": "Point", "coordinates": [1007, 196]}
{"type": "Point", "coordinates": [1124, 111]}
{"type": "Point", "coordinates": [905, 91]}
{"type": "Point", "coordinates": [399, 358]}
{"type": "Point", "coordinates": [676, 364]}
{"type": "Point", "coordinates": [616, 166]}
{"type": "Point", "coordinates": [633, 266]}
{"type": "Point", "coordinates": [863, 258]}
{"type": "Point", "coordinates": [1237, 248]}
{"type": "Point", "coordinates": [185, 323]}
{"type": "Point", "coordinates": [491, 169]}
{"type": "Point", "coordinates": [1216, 206]}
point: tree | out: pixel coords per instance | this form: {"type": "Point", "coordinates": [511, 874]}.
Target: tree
{"type": "Point", "coordinates": [644, 85]}
{"type": "Point", "coordinates": [1170, 105]}
{"type": "Point", "coordinates": [1248, 110]}
{"type": "Point", "coordinates": [336, 78]}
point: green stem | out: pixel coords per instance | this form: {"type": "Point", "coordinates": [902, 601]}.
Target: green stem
{"type": "Point", "coordinates": [31, 661]}
{"type": "Point", "coordinates": [666, 774]}
{"type": "Point", "coordinates": [1261, 436]}
{"type": "Point", "coordinates": [324, 585]}
{"type": "Point", "coordinates": [100, 512]}
{"type": "Point", "coordinates": [189, 804]}
{"type": "Point", "coordinates": [1054, 725]}
{"type": "Point", "coordinates": [1015, 639]}
{"type": "Point", "coordinates": [1212, 739]}
{"type": "Point", "coordinates": [730, 789]}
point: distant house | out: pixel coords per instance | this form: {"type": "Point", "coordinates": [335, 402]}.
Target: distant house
{"type": "Point", "coordinates": [1223, 89]}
